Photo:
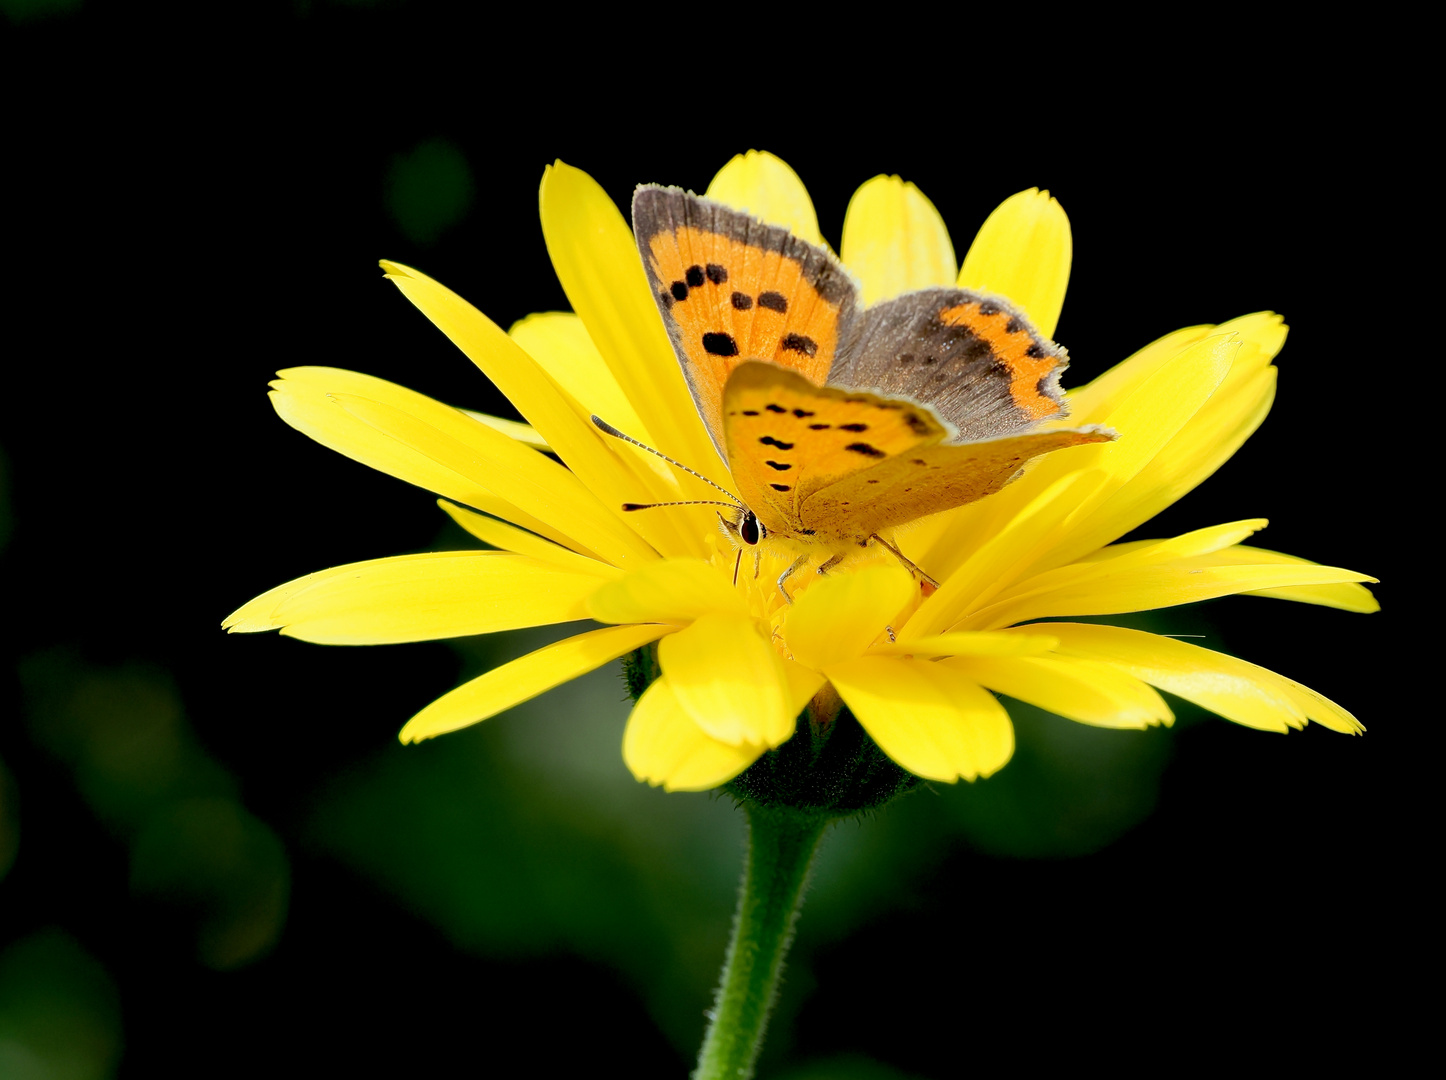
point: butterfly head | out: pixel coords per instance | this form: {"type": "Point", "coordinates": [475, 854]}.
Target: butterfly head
{"type": "Point", "coordinates": [744, 528]}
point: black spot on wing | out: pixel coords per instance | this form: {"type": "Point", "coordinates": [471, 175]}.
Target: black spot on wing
{"type": "Point", "coordinates": [775, 408]}
{"type": "Point", "coordinates": [780, 487]}
{"type": "Point", "coordinates": [801, 413]}
{"type": "Point", "coordinates": [769, 440]}
{"type": "Point", "coordinates": [694, 276]}
{"type": "Point", "coordinates": [679, 290]}
{"type": "Point", "coordinates": [865, 449]}
{"type": "Point", "coordinates": [819, 427]}
{"type": "Point", "coordinates": [917, 424]}
{"type": "Point", "coordinates": [741, 301]}
{"type": "Point", "coordinates": [799, 343]}
{"type": "Point", "coordinates": [853, 427]}
{"type": "Point", "coordinates": [715, 273]}
{"type": "Point", "coordinates": [720, 344]}
{"type": "Point", "coordinates": [773, 301]}
{"type": "Point", "coordinates": [779, 466]}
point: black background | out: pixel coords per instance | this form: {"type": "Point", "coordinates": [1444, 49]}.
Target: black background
{"type": "Point", "coordinates": [195, 201]}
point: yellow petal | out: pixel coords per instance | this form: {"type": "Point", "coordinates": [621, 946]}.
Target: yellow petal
{"type": "Point", "coordinates": [835, 620]}
{"type": "Point", "coordinates": [801, 684]}
{"type": "Point", "coordinates": [1079, 590]}
{"type": "Point", "coordinates": [1023, 253]}
{"type": "Point", "coordinates": [1229, 417]}
{"type": "Point", "coordinates": [526, 677]}
{"type": "Point", "coordinates": [1261, 336]}
{"type": "Point", "coordinates": [513, 429]}
{"type": "Point", "coordinates": [531, 480]}
{"type": "Point", "coordinates": [597, 262]}
{"type": "Point", "coordinates": [970, 577]}
{"type": "Point", "coordinates": [972, 643]}
{"type": "Point", "coordinates": [302, 397]}
{"type": "Point", "coordinates": [762, 185]}
{"type": "Point", "coordinates": [560, 344]}
{"type": "Point", "coordinates": [729, 680]}
{"type": "Point", "coordinates": [435, 446]}
{"type": "Point", "coordinates": [670, 590]}
{"type": "Point", "coordinates": [895, 241]}
{"type": "Point", "coordinates": [936, 722]}
{"type": "Point", "coordinates": [1231, 688]}
{"type": "Point", "coordinates": [1086, 691]}
{"type": "Point", "coordinates": [551, 410]}
{"type": "Point", "coordinates": [1200, 447]}
{"type": "Point", "coordinates": [662, 745]}
{"type": "Point", "coordinates": [419, 598]}
{"type": "Point", "coordinates": [1022, 526]}
{"type": "Point", "coordinates": [510, 538]}
{"type": "Point", "coordinates": [1347, 597]}
{"type": "Point", "coordinates": [1109, 563]}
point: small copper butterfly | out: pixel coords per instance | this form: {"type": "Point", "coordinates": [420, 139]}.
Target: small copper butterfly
{"type": "Point", "coordinates": [839, 424]}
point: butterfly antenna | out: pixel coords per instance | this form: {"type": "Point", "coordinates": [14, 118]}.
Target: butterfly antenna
{"type": "Point", "coordinates": [607, 429]}
{"type": "Point", "coordinates": [685, 502]}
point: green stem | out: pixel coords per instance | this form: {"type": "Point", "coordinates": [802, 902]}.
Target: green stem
{"type": "Point", "coordinates": [781, 846]}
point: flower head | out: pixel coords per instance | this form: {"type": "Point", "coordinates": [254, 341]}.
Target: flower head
{"type": "Point", "coordinates": [728, 663]}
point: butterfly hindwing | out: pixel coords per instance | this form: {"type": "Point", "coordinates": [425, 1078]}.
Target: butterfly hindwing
{"type": "Point", "coordinates": [923, 481]}
{"type": "Point", "coordinates": [788, 439]}
{"type": "Point", "coordinates": [731, 288]}
{"type": "Point", "coordinates": [976, 360]}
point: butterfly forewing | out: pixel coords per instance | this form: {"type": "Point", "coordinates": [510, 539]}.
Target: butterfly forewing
{"type": "Point", "coordinates": [731, 288]}
{"type": "Point", "coordinates": [787, 439]}
{"type": "Point", "coordinates": [976, 360]}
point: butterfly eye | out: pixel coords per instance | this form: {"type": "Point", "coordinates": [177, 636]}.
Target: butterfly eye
{"type": "Point", "coordinates": [750, 528]}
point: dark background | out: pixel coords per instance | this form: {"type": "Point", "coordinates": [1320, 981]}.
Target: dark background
{"type": "Point", "coordinates": [219, 858]}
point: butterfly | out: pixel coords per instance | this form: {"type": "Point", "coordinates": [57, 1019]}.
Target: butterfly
{"type": "Point", "coordinates": [840, 424]}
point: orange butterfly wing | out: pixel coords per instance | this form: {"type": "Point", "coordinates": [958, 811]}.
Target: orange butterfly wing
{"type": "Point", "coordinates": [731, 288]}
{"type": "Point", "coordinates": [975, 359]}
{"type": "Point", "coordinates": [841, 465]}
{"type": "Point", "coordinates": [932, 394]}
{"type": "Point", "coordinates": [788, 439]}
{"type": "Point", "coordinates": [918, 482]}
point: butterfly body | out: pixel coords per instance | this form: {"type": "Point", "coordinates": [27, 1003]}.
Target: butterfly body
{"type": "Point", "coordinates": [838, 423]}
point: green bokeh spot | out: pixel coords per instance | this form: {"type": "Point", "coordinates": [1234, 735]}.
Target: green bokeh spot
{"type": "Point", "coordinates": [59, 1011]}
{"type": "Point", "coordinates": [429, 190]}
{"type": "Point", "coordinates": [21, 11]}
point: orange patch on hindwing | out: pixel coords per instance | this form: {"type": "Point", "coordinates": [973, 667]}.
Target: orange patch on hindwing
{"type": "Point", "coordinates": [1013, 347]}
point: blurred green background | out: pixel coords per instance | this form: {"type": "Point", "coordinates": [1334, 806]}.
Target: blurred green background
{"type": "Point", "coordinates": [216, 856]}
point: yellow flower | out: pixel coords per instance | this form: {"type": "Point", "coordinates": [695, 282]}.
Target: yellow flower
{"type": "Point", "coordinates": [738, 665]}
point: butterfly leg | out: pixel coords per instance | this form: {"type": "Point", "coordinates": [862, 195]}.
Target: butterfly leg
{"type": "Point", "coordinates": [829, 563]}
{"type": "Point", "coordinates": [911, 567]}
{"type": "Point", "coordinates": [793, 568]}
